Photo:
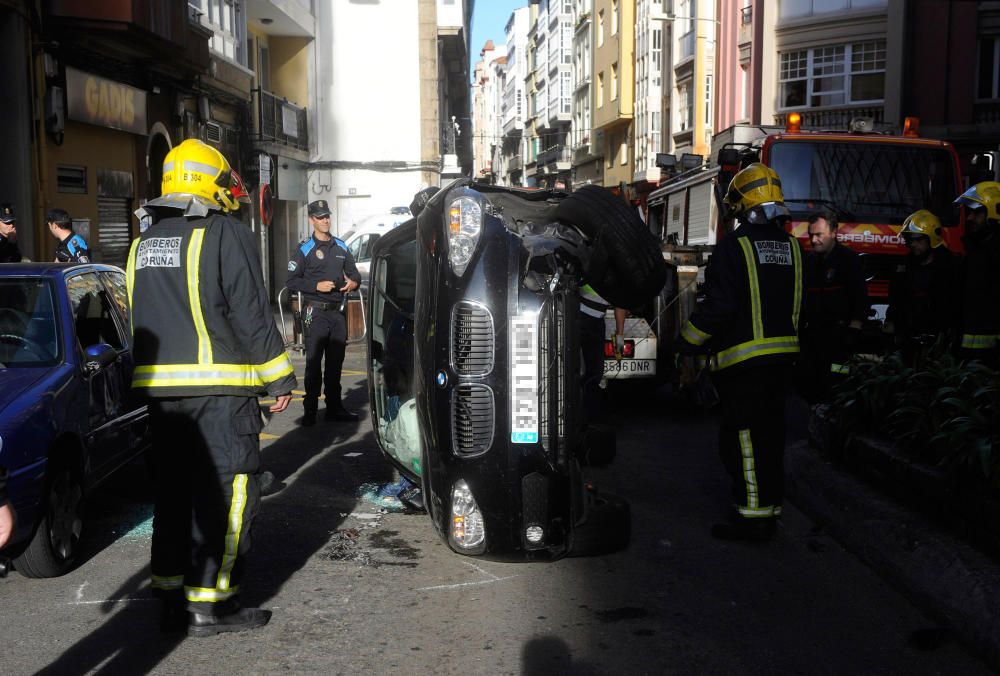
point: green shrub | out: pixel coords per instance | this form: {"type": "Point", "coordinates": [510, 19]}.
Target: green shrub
{"type": "Point", "coordinates": [938, 410]}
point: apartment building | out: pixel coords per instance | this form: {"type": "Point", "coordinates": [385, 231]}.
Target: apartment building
{"type": "Point", "coordinates": [614, 86]}
{"type": "Point", "coordinates": [512, 109]}
{"type": "Point", "coordinates": [551, 35]}
{"type": "Point", "coordinates": [486, 109]}
{"type": "Point", "coordinates": [587, 143]}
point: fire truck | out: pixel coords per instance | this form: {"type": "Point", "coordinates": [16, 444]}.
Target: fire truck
{"type": "Point", "coordinates": [872, 180]}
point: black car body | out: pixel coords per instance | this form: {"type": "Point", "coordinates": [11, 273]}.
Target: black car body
{"type": "Point", "coordinates": [475, 372]}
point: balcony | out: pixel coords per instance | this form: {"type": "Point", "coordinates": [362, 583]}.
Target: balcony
{"type": "Point", "coordinates": [556, 158]}
{"type": "Point", "coordinates": [685, 46]}
{"type": "Point", "coordinates": [745, 32]}
{"type": "Point", "coordinates": [515, 163]}
{"type": "Point", "coordinates": [837, 118]}
{"type": "Point", "coordinates": [279, 121]}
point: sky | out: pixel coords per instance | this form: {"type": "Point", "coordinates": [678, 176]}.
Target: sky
{"type": "Point", "coordinates": [488, 20]}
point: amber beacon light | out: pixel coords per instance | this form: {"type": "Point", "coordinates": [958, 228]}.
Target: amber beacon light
{"type": "Point", "coordinates": [911, 126]}
{"type": "Point", "coordinates": [793, 124]}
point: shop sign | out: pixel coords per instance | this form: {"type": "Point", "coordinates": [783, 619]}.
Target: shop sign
{"type": "Point", "coordinates": [105, 103]}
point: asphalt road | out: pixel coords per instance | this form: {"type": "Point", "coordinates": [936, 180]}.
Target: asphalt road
{"type": "Point", "coordinates": [356, 590]}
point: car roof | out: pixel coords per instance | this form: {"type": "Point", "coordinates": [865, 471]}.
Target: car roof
{"type": "Point", "coordinates": [37, 269]}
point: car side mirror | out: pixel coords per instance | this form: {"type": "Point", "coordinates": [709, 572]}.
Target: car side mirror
{"type": "Point", "coordinates": [99, 356]}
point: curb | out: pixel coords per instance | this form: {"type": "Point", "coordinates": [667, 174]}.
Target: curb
{"type": "Point", "coordinates": [953, 582]}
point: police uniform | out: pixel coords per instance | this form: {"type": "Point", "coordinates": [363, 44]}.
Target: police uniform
{"type": "Point", "coordinates": [592, 329]}
{"type": "Point", "coordinates": [749, 323]}
{"type": "Point", "coordinates": [323, 314]}
{"type": "Point", "coordinates": [9, 253]}
{"type": "Point", "coordinates": [836, 296]}
{"type": "Point", "coordinates": [205, 348]}
{"type": "Point", "coordinates": [73, 249]}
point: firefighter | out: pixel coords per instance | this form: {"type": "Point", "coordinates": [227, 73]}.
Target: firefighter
{"type": "Point", "coordinates": [9, 253]}
{"type": "Point", "coordinates": [836, 305]}
{"type": "Point", "coordinates": [323, 270]}
{"type": "Point", "coordinates": [924, 294]}
{"type": "Point", "coordinates": [980, 337]}
{"type": "Point", "coordinates": [206, 347]}
{"type": "Point", "coordinates": [72, 248]}
{"type": "Point", "coordinates": [748, 323]}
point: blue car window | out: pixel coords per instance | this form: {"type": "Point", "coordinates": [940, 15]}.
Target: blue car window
{"type": "Point", "coordinates": [29, 334]}
{"type": "Point", "coordinates": [92, 312]}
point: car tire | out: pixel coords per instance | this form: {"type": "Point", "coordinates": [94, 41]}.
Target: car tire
{"type": "Point", "coordinates": [608, 527]}
{"type": "Point", "coordinates": [55, 543]}
{"type": "Point", "coordinates": [626, 265]}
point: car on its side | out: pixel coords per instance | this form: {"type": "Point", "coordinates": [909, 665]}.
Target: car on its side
{"type": "Point", "coordinates": [474, 360]}
{"type": "Point", "coordinates": [66, 420]}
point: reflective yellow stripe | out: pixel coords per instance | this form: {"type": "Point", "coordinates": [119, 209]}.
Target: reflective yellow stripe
{"type": "Point", "coordinates": [694, 335]}
{"type": "Point", "coordinates": [130, 276]}
{"type": "Point", "coordinates": [166, 582]}
{"type": "Point", "coordinates": [207, 595]}
{"type": "Point", "coordinates": [187, 375]}
{"type": "Point", "coordinates": [194, 296]}
{"type": "Point", "coordinates": [749, 473]}
{"type": "Point", "coordinates": [972, 341]}
{"type": "Point", "coordinates": [756, 315]}
{"type": "Point", "coordinates": [236, 508]}
{"type": "Point", "coordinates": [758, 512]}
{"type": "Point", "coordinates": [276, 368]}
{"type": "Point", "coordinates": [839, 368]}
{"type": "Point", "coordinates": [797, 302]}
{"type": "Point", "coordinates": [757, 348]}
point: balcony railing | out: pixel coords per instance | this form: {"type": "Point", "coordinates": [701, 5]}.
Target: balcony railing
{"type": "Point", "coordinates": [515, 163]}
{"type": "Point", "coordinates": [280, 121]}
{"type": "Point", "coordinates": [685, 43]}
{"type": "Point", "coordinates": [559, 153]}
{"type": "Point", "coordinates": [836, 118]}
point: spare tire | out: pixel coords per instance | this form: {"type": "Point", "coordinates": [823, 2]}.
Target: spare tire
{"type": "Point", "coordinates": [626, 265]}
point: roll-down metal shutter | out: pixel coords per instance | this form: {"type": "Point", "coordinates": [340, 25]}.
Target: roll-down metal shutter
{"type": "Point", "coordinates": [113, 231]}
{"type": "Point", "coordinates": [700, 211]}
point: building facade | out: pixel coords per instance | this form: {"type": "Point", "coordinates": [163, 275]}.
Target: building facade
{"type": "Point", "coordinates": [614, 87]}
{"type": "Point", "coordinates": [512, 109]}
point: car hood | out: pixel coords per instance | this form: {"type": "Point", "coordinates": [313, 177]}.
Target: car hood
{"type": "Point", "coordinates": [14, 382]}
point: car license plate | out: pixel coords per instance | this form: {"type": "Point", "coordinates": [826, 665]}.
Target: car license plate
{"type": "Point", "coordinates": [524, 379]}
{"type": "Point", "coordinates": [628, 367]}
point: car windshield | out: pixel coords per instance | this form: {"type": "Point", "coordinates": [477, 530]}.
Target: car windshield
{"type": "Point", "coordinates": [869, 182]}
{"type": "Point", "coordinates": [28, 329]}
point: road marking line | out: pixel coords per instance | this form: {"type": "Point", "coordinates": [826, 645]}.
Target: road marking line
{"type": "Point", "coordinates": [351, 455]}
{"type": "Point", "coordinates": [466, 584]}
{"type": "Point", "coordinates": [264, 436]}
{"type": "Point", "coordinates": [94, 603]}
{"type": "Point", "coordinates": [79, 591]}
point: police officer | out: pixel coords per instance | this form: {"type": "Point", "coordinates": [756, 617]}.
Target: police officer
{"type": "Point", "coordinates": [72, 248]}
{"type": "Point", "coordinates": [205, 347]}
{"type": "Point", "coordinates": [836, 305]}
{"type": "Point", "coordinates": [924, 295]}
{"type": "Point", "coordinates": [981, 296]}
{"type": "Point", "coordinates": [749, 323]}
{"type": "Point", "coordinates": [9, 253]}
{"type": "Point", "coordinates": [323, 270]}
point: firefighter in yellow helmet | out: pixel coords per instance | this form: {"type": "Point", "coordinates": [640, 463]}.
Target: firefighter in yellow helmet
{"type": "Point", "coordinates": [748, 323]}
{"type": "Point", "coordinates": [980, 322]}
{"type": "Point", "coordinates": [924, 292]}
{"type": "Point", "coordinates": [205, 348]}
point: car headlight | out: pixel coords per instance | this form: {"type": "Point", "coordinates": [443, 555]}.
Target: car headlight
{"type": "Point", "coordinates": [468, 531]}
{"type": "Point", "coordinates": [465, 223]}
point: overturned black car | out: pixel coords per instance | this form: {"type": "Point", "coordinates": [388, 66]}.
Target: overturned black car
{"type": "Point", "coordinates": [475, 364]}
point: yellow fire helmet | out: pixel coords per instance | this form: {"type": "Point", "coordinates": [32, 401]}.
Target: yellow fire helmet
{"type": "Point", "coordinates": [924, 223]}
{"type": "Point", "coordinates": [755, 196]}
{"type": "Point", "coordinates": [196, 179]}
{"type": "Point", "coordinates": [983, 195]}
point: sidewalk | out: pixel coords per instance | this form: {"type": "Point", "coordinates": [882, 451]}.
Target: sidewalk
{"type": "Point", "coordinates": [956, 584]}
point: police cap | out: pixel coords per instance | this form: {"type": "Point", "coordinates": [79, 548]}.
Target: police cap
{"type": "Point", "coordinates": [7, 213]}
{"type": "Point", "coordinates": [319, 208]}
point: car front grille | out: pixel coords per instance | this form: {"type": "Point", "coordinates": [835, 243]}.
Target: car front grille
{"type": "Point", "coordinates": [552, 400]}
{"type": "Point", "coordinates": [472, 415]}
{"type": "Point", "coordinates": [472, 339]}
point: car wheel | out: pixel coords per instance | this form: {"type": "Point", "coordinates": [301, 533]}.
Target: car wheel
{"type": "Point", "coordinates": [626, 265]}
{"type": "Point", "coordinates": [56, 542]}
{"type": "Point", "coordinates": [608, 527]}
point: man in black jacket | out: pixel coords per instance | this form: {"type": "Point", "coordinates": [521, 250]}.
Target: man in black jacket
{"type": "Point", "coordinates": [749, 322]}
{"type": "Point", "coordinates": [206, 347]}
{"type": "Point", "coordinates": [323, 270]}
{"type": "Point", "coordinates": [981, 298]}
{"type": "Point", "coordinates": [836, 304]}
{"type": "Point", "coordinates": [9, 253]}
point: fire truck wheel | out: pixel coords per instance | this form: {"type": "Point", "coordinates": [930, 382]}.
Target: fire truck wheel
{"type": "Point", "coordinates": [626, 265]}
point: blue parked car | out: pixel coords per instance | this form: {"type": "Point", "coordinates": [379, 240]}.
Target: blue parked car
{"type": "Point", "coordinates": [66, 422]}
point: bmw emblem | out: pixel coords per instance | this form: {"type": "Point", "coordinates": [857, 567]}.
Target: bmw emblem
{"type": "Point", "coordinates": [442, 378]}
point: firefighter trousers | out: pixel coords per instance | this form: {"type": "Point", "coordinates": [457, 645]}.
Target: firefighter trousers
{"type": "Point", "coordinates": [205, 459]}
{"type": "Point", "coordinates": [752, 437]}
{"type": "Point", "coordinates": [325, 337]}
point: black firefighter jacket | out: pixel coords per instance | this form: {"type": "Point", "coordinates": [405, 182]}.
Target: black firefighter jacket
{"type": "Point", "coordinates": [200, 315]}
{"type": "Point", "coordinates": [981, 300]}
{"type": "Point", "coordinates": [753, 297]}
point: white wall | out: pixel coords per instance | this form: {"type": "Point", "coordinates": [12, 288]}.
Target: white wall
{"type": "Point", "coordinates": [366, 106]}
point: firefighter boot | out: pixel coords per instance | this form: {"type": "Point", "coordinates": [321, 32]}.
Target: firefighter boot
{"type": "Point", "coordinates": [203, 624]}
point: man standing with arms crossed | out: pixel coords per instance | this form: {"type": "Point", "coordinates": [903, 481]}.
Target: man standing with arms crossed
{"type": "Point", "coordinates": [323, 270]}
{"type": "Point", "coordinates": [749, 321]}
{"type": "Point", "coordinates": [205, 347]}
